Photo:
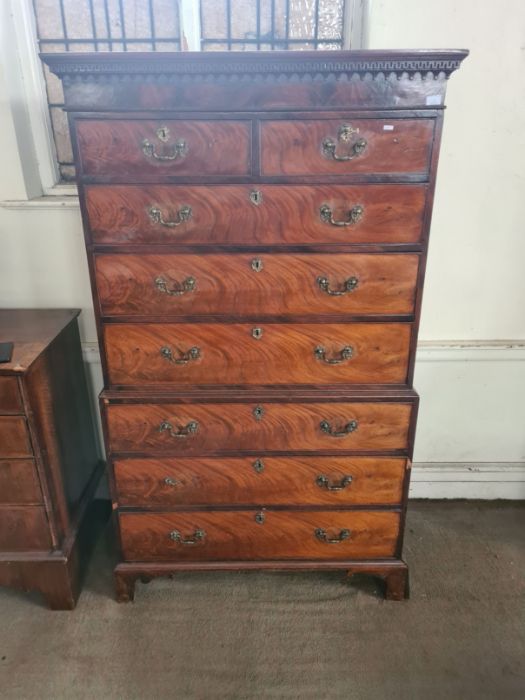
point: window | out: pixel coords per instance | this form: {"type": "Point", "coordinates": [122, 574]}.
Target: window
{"type": "Point", "coordinates": [174, 25]}
{"type": "Point", "coordinates": [271, 24]}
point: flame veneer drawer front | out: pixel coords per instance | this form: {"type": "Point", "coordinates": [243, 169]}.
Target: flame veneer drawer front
{"type": "Point", "coordinates": [329, 481]}
{"type": "Point", "coordinates": [10, 399]}
{"type": "Point", "coordinates": [157, 151]}
{"type": "Point", "coordinates": [215, 428]}
{"type": "Point", "coordinates": [266, 354]}
{"type": "Point", "coordinates": [19, 482]}
{"type": "Point", "coordinates": [261, 284]}
{"type": "Point", "coordinates": [14, 437]}
{"type": "Point", "coordinates": [346, 146]}
{"type": "Point", "coordinates": [226, 215]}
{"type": "Point", "coordinates": [263, 534]}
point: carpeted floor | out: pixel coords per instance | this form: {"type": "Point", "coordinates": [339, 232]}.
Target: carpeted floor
{"type": "Point", "coordinates": [255, 635]}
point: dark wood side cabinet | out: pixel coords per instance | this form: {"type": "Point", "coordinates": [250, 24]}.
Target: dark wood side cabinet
{"type": "Point", "coordinates": [256, 227]}
{"type": "Point", "coordinates": [49, 461]}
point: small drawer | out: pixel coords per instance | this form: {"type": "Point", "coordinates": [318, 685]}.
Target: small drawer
{"type": "Point", "coordinates": [19, 483]}
{"type": "Point", "coordinates": [210, 429]}
{"type": "Point", "coordinates": [153, 354]}
{"type": "Point", "coordinates": [24, 528]}
{"type": "Point", "coordinates": [262, 284]}
{"type": "Point", "coordinates": [346, 147]}
{"type": "Point", "coordinates": [10, 399]}
{"type": "Point", "coordinates": [330, 481]}
{"type": "Point", "coordinates": [151, 151]}
{"type": "Point", "coordinates": [248, 215]}
{"type": "Point", "coordinates": [14, 437]}
{"type": "Point", "coordinates": [259, 535]}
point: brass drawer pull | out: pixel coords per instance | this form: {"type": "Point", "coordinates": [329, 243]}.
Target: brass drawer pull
{"type": "Point", "coordinates": [324, 483]}
{"type": "Point", "coordinates": [323, 536]}
{"type": "Point", "coordinates": [183, 431]}
{"type": "Point", "coordinates": [178, 150]}
{"type": "Point", "coordinates": [344, 138]}
{"type": "Point", "coordinates": [178, 289]}
{"type": "Point", "coordinates": [184, 357]}
{"type": "Point", "coordinates": [354, 215]}
{"type": "Point", "coordinates": [197, 537]}
{"type": "Point", "coordinates": [183, 215]}
{"type": "Point", "coordinates": [345, 354]}
{"type": "Point", "coordinates": [348, 286]}
{"type": "Point", "coordinates": [329, 430]}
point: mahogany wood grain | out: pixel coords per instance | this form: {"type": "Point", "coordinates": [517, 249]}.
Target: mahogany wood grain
{"type": "Point", "coordinates": [224, 214]}
{"type": "Point", "coordinates": [263, 481]}
{"type": "Point", "coordinates": [23, 528]}
{"type": "Point", "coordinates": [19, 483]}
{"type": "Point", "coordinates": [116, 148]}
{"type": "Point", "coordinates": [49, 459]}
{"type": "Point", "coordinates": [128, 284]}
{"type": "Point", "coordinates": [295, 147]}
{"type": "Point", "coordinates": [14, 437]}
{"type": "Point", "coordinates": [230, 354]}
{"type": "Point", "coordinates": [31, 331]}
{"type": "Point", "coordinates": [223, 427]}
{"type": "Point", "coordinates": [237, 535]}
{"type": "Point", "coordinates": [10, 399]}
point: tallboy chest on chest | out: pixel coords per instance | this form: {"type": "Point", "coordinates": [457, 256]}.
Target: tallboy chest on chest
{"type": "Point", "coordinates": [256, 227]}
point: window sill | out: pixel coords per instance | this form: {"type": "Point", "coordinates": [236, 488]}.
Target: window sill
{"type": "Point", "coordinates": [47, 202]}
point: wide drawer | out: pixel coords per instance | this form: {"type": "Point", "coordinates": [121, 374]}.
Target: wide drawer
{"type": "Point", "coordinates": [19, 482]}
{"type": "Point", "coordinates": [215, 428]}
{"type": "Point", "coordinates": [166, 284]}
{"type": "Point", "coordinates": [14, 437]}
{"type": "Point", "coordinates": [258, 535]}
{"type": "Point", "coordinates": [248, 215]}
{"type": "Point", "coordinates": [343, 147]}
{"type": "Point", "coordinates": [147, 150]}
{"type": "Point", "coordinates": [259, 481]}
{"type": "Point", "coordinates": [24, 528]}
{"type": "Point", "coordinates": [10, 399]}
{"type": "Point", "coordinates": [264, 354]}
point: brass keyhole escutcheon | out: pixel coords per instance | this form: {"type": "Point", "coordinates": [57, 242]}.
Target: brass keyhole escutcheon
{"type": "Point", "coordinates": [257, 333]}
{"type": "Point", "coordinates": [256, 197]}
{"type": "Point", "coordinates": [163, 133]}
{"type": "Point", "coordinates": [257, 264]}
{"type": "Point", "coordinates": [258, 412]}
{"type": "Point", "coordinates": [260, 518]}
{"type": "Point", "coordinates": [258, 465]}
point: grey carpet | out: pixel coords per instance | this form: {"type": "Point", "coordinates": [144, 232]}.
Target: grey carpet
{"type": "Point", "coordinates": [257, 635]}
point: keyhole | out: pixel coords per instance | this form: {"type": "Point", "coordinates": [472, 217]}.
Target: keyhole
{"type": "Point", "coordinates": [163, 133]}
{"type": "Point", "coordinates": [257, 333]}
{"type": "Point", "coordinates": [257, 264]}
{"type": "Point", "coordinates": [259, 518]}
{"type": "Point", "coordinates": [256, 197]}
{"type": "Point", "coordinates": [258, 412]}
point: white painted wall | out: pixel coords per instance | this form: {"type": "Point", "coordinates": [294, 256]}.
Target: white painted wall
{"type": "Point", "coordinates": [475, 286]}
{"type": "Point", "coordinates": [471, 380]}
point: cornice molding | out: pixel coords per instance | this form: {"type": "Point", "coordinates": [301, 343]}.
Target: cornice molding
{"type": "Point", "coordinates": [277, 66]}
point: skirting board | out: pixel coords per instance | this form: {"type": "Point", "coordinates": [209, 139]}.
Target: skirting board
{"type": "Point", "coordinates": [480, 481]}
{"type": "Point", "coordinates": [470, 440]}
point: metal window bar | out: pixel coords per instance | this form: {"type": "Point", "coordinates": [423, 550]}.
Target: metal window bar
{"type": "Point", "coordinates": [278, 37]}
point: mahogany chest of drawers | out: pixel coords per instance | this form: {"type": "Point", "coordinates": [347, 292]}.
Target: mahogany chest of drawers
{"type": "Point", "coordinates": [49, 460]}
{"type": "Point", "coordinates": [256, 226]}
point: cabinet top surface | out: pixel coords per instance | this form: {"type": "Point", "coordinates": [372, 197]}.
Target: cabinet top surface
{"type": "Point", "coordinates": [31, 331]}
